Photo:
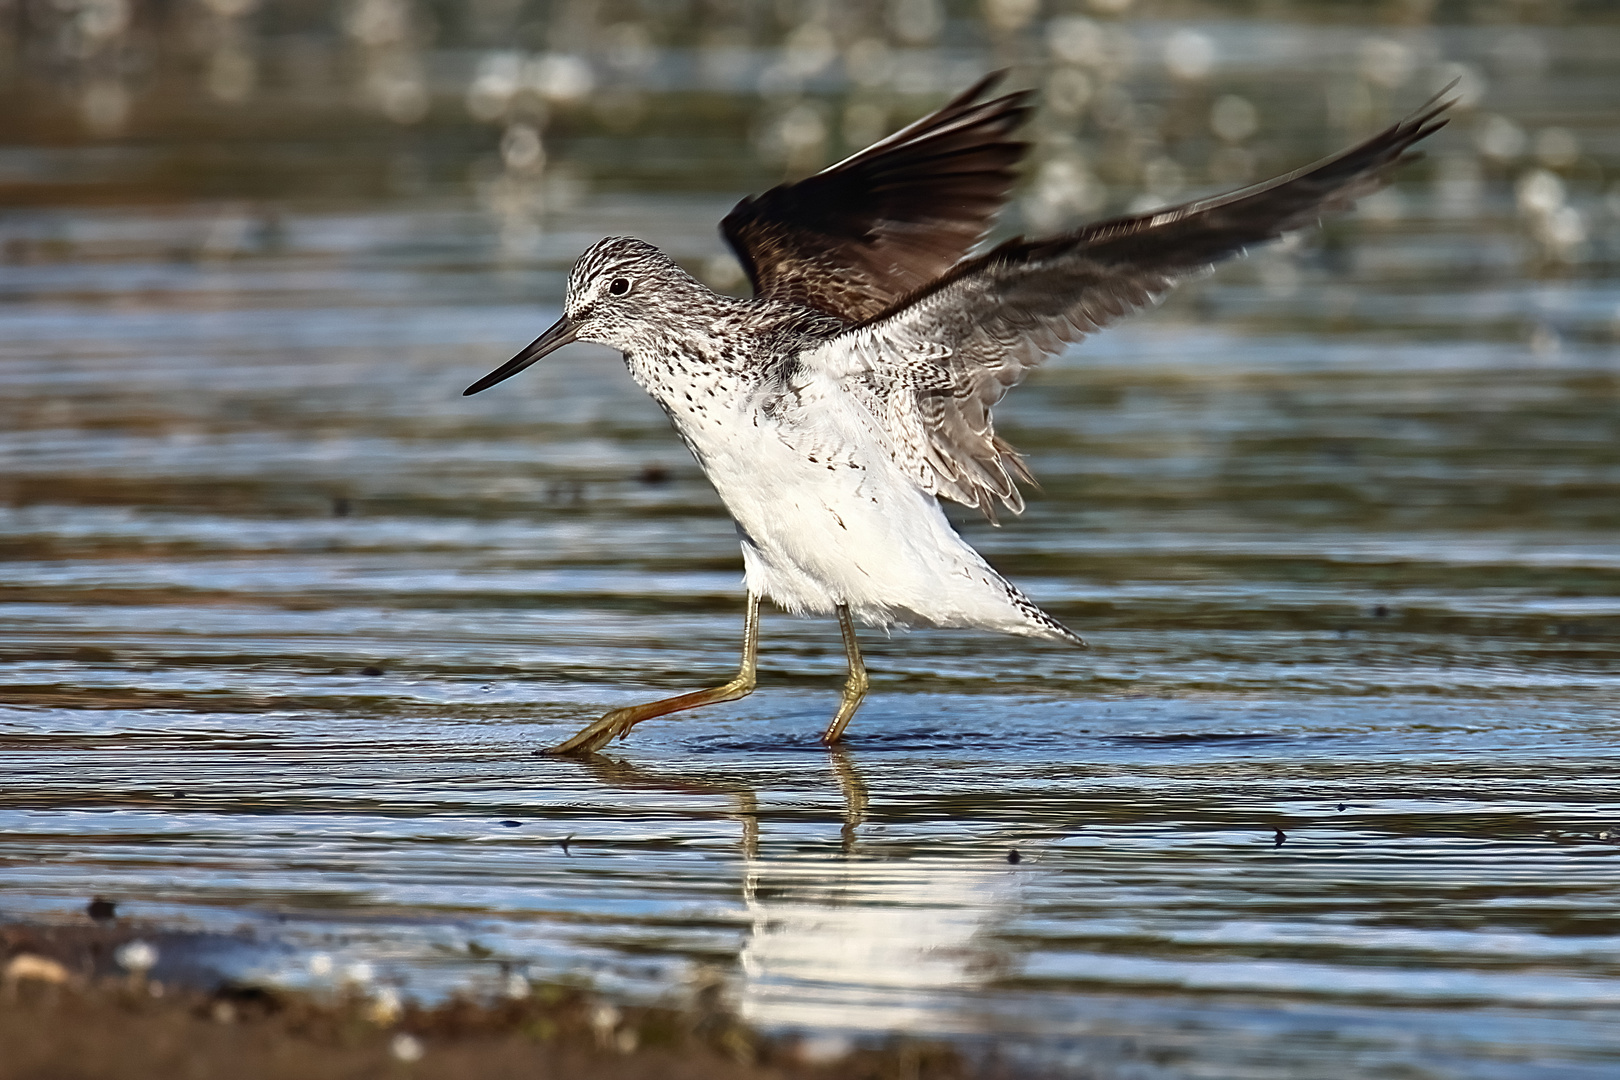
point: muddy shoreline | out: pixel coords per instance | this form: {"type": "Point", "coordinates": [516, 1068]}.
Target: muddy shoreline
{"type": "Point", "coordinates": [78, 1001]}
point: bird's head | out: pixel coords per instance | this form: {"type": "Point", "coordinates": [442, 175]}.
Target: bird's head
{"type": "Point", "coordinates": [618, 293]}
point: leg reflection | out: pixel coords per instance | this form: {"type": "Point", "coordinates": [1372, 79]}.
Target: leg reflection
{"type": "Point", "coordinates": [745, 801]}
{"type": "Point", "coordinates": [855, 797]}
{"type": "Point", "coordinates": [874, 936]}
{"type": "Point", "coordinates": [625, 776]}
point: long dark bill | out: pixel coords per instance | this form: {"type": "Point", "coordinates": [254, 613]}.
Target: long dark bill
{"type": "Point", "coordinates": [560, 334]}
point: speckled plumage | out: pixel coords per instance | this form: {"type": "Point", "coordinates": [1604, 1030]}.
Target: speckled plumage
{"type": "Point", "coordinates": [826, 511]}
{"type": "Point", "coordinates": [834, 410]}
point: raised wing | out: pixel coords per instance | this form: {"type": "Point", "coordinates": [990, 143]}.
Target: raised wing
{"type": "Point", "coordinates": [854, 238]}
{"type": "Point", "coordinates": [930, 368]}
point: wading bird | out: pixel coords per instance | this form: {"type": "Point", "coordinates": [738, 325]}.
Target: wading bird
{"type": "Point", "coordinates": [834, 409]}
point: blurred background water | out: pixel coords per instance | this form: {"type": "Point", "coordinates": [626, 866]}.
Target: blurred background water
{"type": "Point", "coordinates": [283, 617]}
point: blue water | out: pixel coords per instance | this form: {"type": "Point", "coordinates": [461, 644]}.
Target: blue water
{"type": "Point", "coordinates": [1334, 793]}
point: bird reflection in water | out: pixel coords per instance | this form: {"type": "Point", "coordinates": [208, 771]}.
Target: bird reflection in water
{"type": "Point", "coordinates": [860, 939]}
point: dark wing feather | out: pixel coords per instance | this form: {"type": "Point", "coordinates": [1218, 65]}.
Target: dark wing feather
{"type": "Point", "coordinates": [930, 368]}
{"type": "Point", "coordinates": [856, 237]}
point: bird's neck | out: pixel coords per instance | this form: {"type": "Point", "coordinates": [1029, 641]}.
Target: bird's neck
{"type": "Point", "coordinates": [713, 338]}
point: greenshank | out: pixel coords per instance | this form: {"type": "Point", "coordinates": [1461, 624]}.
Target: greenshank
{"type": "Point", "coordinates": [838, 406]}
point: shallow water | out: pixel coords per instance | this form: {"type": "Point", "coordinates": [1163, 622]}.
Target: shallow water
{"type": "Point", "coordinates": [1331, 794]}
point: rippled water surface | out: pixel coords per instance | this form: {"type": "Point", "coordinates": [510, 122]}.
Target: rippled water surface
{"type": "Point", "coordinates": [284, 619]}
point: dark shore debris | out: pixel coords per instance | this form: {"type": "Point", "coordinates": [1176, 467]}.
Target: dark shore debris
{"type": "Point", "coordinates": [101, 909]}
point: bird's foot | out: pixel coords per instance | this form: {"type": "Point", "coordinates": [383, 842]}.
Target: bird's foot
{"type": "Point", "coordinates": [593, 737]}
{"type": "Point", "coordinates": [855, 688]}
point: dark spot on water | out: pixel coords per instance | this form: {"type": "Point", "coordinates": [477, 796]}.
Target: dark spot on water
{"type": "Point", "coordinates": [510, 824]}
{"type": "Point", "coordinates": [101, 909]}
{"type": "Point", "coordinates": [1278, 838]}
{"type": "Point", "coordinates": [1380, 611]}
{"type": "Point", "coordinates": [1341, 807]}
{"type": "Point", "coordinates": [371, 669]}
{"type": "Point", "coordinates": [1013, 856]}
{"type": "Point", "coordinates": [563, 843]}
{"type": "Point", "coordinates": [341, 507]}
{"type": "Point", "coordinates": [654, 473]}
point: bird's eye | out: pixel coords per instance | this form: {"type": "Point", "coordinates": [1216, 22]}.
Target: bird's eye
{"type": "Point", "coordinates": [619, 286]}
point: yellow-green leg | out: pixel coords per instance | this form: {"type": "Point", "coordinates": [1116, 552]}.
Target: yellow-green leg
{"type": "Point", "coordinates": [617, 724]}
{"type": "Point", "coordinates": [855, 683]}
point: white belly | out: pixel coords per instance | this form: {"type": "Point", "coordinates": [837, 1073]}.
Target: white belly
{"type": "Point", "coordinates": [827, 519]}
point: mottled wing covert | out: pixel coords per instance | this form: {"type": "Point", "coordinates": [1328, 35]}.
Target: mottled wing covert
{"type": "Point", "coordinates": [931, 366]}
{"type": "Point", "coordinates": [859, 235]}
